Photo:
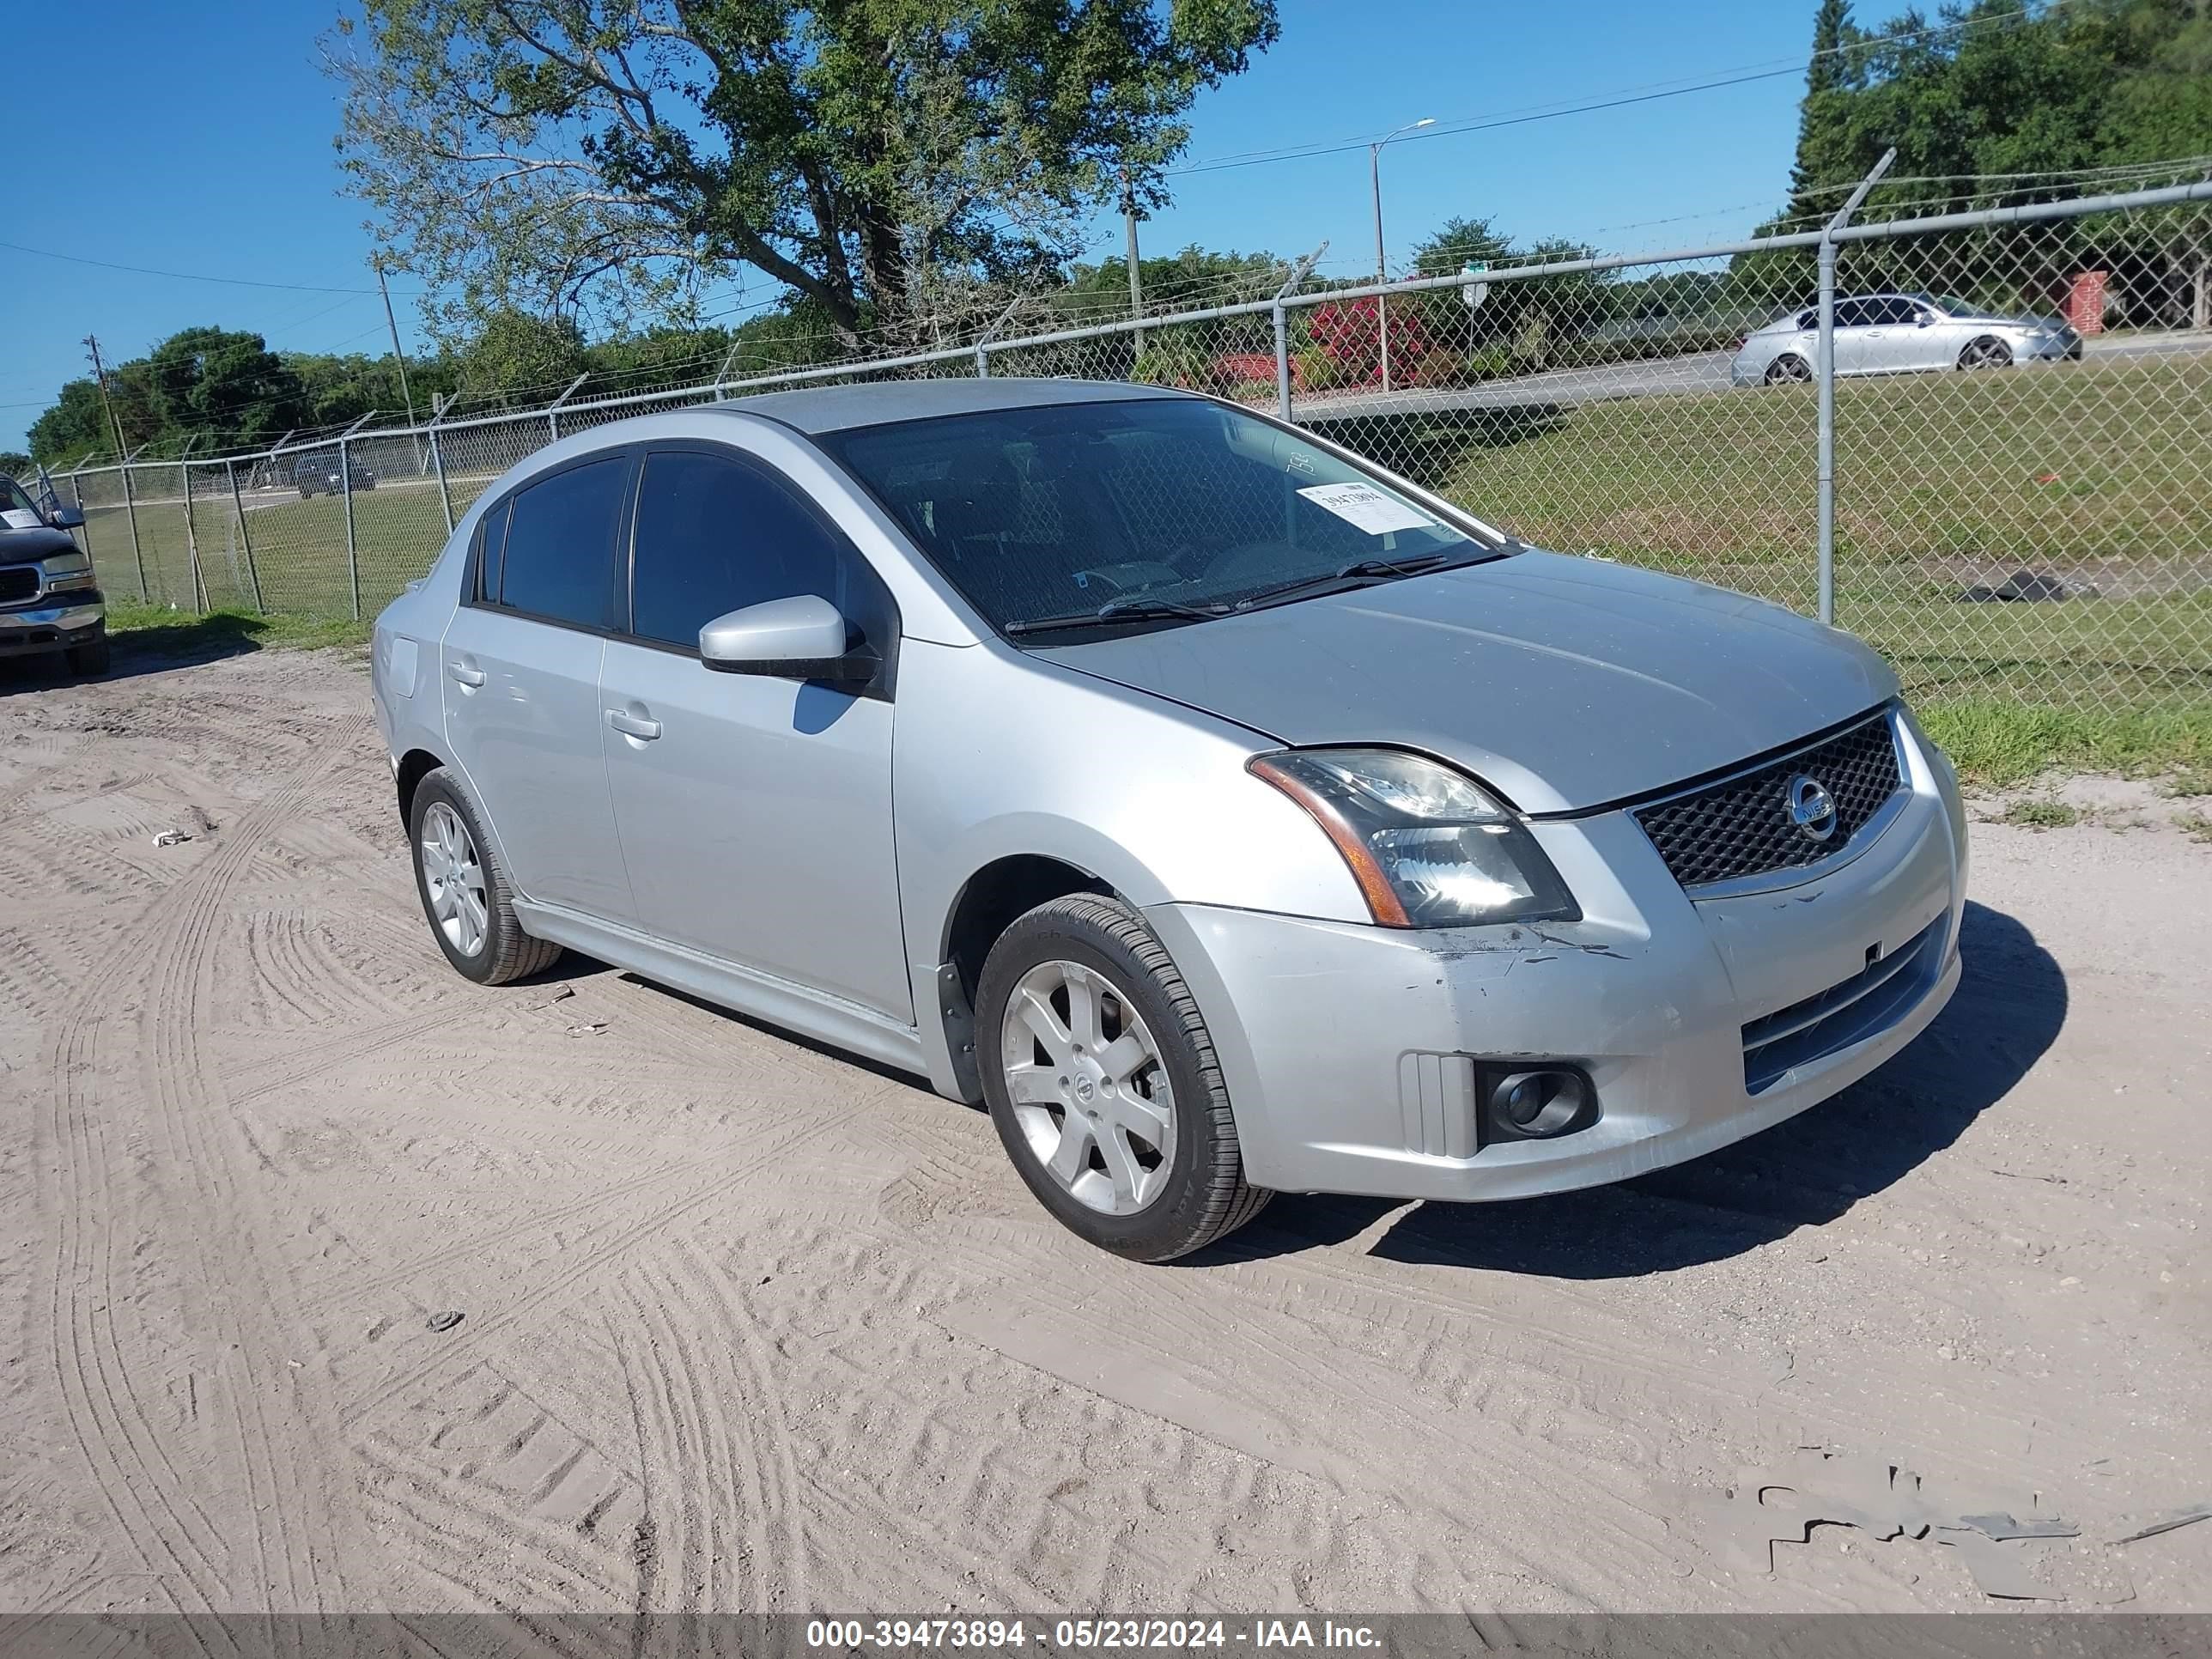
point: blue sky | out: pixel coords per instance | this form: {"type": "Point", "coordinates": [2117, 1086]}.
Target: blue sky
{"type": "Point", "coordinates": [196, 140]}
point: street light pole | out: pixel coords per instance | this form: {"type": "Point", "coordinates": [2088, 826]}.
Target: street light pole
{"type": "Point", "coordinates": [1381, 270]}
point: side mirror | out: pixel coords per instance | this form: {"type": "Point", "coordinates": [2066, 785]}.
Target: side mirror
{"type": "Point", "coordinates": [801, 638]}
{"type": "Point", "coordinates": [66, 518]}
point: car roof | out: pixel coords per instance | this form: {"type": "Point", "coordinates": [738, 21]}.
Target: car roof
{"type": "Point", "coordinates": [839, 408]}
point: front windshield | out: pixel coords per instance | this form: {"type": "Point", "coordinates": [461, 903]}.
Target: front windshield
{"type": "Point", "coordinates": [1952, 305]}
{"type": "Point", "coordinates": [1172, 507]}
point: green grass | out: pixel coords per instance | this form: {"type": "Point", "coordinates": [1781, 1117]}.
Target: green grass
{"type": "Point", "coordinates": [157, 628]}
{"type": "Point", "coordinates": [2040, 815]}
{"type": "Point", "coordinates": [292, 555]}
{"type": "Point", "coordinates": [1994, 742]}
{"type": "Point", "coordinates": [2100, 473]}
{"type": "Point", "coordinates": [2196, 826]}
{"type": "Point", "coordinates": [2190, 781]}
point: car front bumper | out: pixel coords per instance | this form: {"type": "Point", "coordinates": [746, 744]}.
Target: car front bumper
{"type": "Point", "coordinates": [53, 626]}
{"type": "Point", "coordinates": [1351, 1052]}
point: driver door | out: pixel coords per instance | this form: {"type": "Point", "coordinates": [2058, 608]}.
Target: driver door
{"type": "Point", "coordinates": [755, 813]}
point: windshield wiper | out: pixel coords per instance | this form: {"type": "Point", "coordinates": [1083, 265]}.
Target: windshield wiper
{"type": "Point", "coordinates": [1121, 610]}
{"type": "Point", "coordinates": [1362, 569]}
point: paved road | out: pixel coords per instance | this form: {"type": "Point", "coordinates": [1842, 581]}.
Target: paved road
{"type": "Point", "coordinates": [1706, 371]}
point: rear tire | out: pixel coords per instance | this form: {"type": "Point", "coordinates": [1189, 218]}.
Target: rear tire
{"type": "Point", "coordinates": [90, 658]}
{"type": "Point", "coordinates": [466, 897]}
{"type": "Point", "coordinates": [1789, 369]}
{"type": "Point", "coordinates": [1148, 1059]}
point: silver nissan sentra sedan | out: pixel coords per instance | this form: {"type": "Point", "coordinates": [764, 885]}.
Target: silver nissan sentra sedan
{"type": "Point", "coordinates": [1228, 814]}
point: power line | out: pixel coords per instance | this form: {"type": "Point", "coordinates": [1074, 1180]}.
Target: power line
{"type": "Point", "coordinates": [180, 276]}
{"type": "Point", "coordinates": [1613, 100]}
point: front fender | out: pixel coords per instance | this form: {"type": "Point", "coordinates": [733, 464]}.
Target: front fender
{"type": "Point", "coordinates": [998, 754]}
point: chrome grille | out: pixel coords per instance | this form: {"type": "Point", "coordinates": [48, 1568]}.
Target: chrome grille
{"type": "Point", "coordinates": [18, 582]}
{"type": "Point", "coordinates": [1741, 826]}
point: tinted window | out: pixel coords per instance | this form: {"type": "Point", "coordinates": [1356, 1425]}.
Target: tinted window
{"type": "Point", "coordinates": [1807, 320]}
{"type": "Point", "coordinates": [716, 534]}
{"type": "Point", "coordinates": [1894, 311]}
{"type": "Point", "coordinates": [1854, 313]}
{"type": "Point", "coordinates": [560, 557]}
{"type": "Point", "coordinates": [491, 543]}
{"type": "Point", "coordinates": [1056, 512]}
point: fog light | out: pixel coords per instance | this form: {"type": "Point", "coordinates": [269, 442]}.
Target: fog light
{"type": "Point", "coordinates": [1540, 1104]}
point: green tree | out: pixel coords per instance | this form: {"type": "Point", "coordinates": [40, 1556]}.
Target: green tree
{"type": "Point", "coordinates": [224, 389]}
{"type": "Point", "coordinates": [75, 425]}
{"type": "Point", "coordinates": [14, 464]}
{"type": "Point", "coordinates": [545, 154]}
{"type": "Point", "coordinates": [516, 357]}
{"type": "Point", "coordinates": [1831, 74]}
{"type": "Point", "coordinates": [1458, 243]}
{"type": "Point", "coordinates": [1995, 92]}
{"type": "Point", "coordinates": [341, 389]}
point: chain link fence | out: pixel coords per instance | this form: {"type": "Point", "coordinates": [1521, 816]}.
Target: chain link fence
{"type": "Point", "coordinates": [2018, 437]}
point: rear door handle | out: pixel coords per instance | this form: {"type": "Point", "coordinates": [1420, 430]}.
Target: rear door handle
{"type": "Point", "coordinates": [633, 726]}
{"type": "Point", "coordinates": [469, 676]}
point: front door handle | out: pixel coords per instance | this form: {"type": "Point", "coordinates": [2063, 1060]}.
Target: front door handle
{"type": "Point", "coordinates": [633, 726]}
{"type": "Point", "coordinates": [469, 676]}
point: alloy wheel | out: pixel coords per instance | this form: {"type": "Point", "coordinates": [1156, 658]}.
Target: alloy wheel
{"type": "Point", "coordinates": [453, 874]}
{"type": "Point", "coordinates": [1088, 1087]}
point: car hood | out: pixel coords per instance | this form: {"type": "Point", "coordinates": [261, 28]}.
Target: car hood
{"type": "Point", "coordinates": [1564, 682]}
{"type": "Point", "coordinates": [22, 546]}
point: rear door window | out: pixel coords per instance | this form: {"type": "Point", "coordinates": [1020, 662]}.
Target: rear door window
{"type": "Point", "coordinates": [1854, 313]}
{"type": "Point", "coordinates": [559, 562]}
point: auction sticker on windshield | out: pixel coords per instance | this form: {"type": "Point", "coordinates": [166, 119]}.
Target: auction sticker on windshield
{"type": "Point", "coordinates": [1368, 507]}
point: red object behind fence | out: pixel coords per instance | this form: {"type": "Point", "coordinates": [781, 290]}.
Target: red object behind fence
{"type": "Point", "coordinates": [2084, 302]}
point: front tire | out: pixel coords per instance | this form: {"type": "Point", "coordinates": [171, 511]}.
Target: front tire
{"type": "Point", "coordinates": [1103, 1082]}
{"type": "Point", "coordinates": [466, 897]}
{"type": "Point", "coordinates": [90, 658]}
{"type": "Point", "coordinates": [1986, 353]}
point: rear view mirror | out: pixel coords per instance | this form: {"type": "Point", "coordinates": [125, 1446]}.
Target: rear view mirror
{"type": "Point", "coordinates": [801, 638]}
{"type": "Point", "coordinates": [66, 518]}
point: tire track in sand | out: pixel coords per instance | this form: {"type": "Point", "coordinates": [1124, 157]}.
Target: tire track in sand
{"type": "Point", "coordinates": [586, 1262]}
{"type": "Point", "coordinates": [729, 1531]}
{"type": "Point", "coordinates": [292, 1559]}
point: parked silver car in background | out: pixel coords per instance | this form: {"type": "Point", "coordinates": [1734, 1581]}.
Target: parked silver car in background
{"type": "Point", "coordinates": [1896, 334]}
{"type": "Point", "coordinates": [1227, 814]}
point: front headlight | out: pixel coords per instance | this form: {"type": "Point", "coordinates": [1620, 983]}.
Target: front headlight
{"type": "Point", "coordinates": [1429, 847]}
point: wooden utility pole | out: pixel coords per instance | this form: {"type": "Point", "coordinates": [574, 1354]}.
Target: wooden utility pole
{"type": "Point", "coordinates": [122, 465]}
{"type": "Point", "coordinates": [392, 323]}
{"type": "Point", "coordinates": [100, 373]}
{"type": "Point", "coordinates": [1129, 235]}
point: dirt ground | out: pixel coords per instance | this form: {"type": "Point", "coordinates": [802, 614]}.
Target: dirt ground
{"type": "Point", "coordinates": [746, 1325]}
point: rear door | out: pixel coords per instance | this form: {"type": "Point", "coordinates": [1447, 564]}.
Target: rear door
{"type": "Point", "coordinates": [521, 663]}
{"type": "Point", "coordinates": [755, 812]}
{"type": "Point", "coordinates": [1856, 334]}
